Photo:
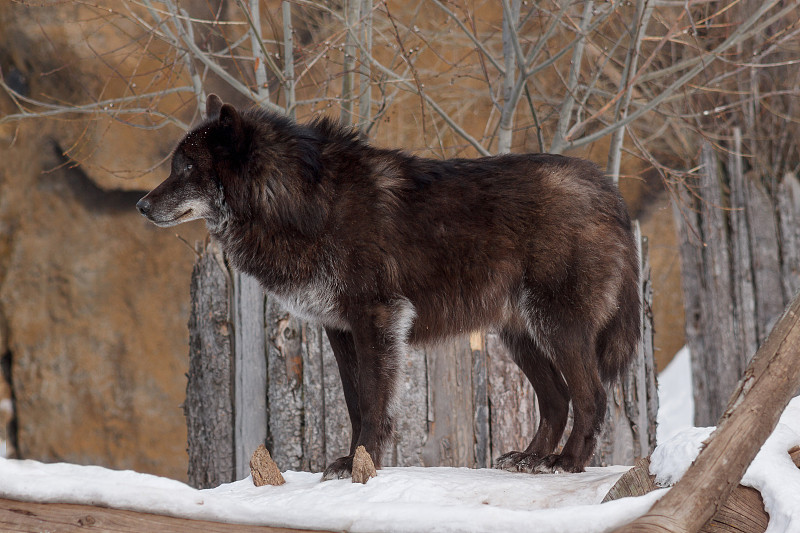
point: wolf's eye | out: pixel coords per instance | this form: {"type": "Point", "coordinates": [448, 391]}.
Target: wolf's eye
{"type": "Point", "coordinates": [189, 167]}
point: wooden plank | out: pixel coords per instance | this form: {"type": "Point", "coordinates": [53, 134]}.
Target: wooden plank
{"type": "Point", "coordinates": [514, 415]}
{"type": "Point", "coordinates": [285, 387]}
{"type": "Point", "coordinates": [250, 370]}
{"type": "Point", "coordinates": [451, 438]}
{"type": "Point", "coordinates": [411, 419]}
{"type": "Point", "coordinates": [314, 459]}
{"type": "Point", "coordinates": [789, 214]}
{"type": "Point", "coordinates": [687, 224]}
{"type": "Point", "coordinates": [480, 390]}
{"type": "Point", "coordinates": [647, 346]}
{"type": "Point", "coordinates": [27, 517]}
{"type": "Point", "coordinates": [769, 297]}
{"type": "Point", "coordinates": [741, 252]}
{"type": "Point", "coordinates": [209, 399]}
{"type": "Point", "coordinates": [722, 360]}
{"type": "Point", "coordinates": [337, 421]}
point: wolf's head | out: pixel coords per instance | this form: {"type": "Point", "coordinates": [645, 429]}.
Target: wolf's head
{"type": "Point", "coordinates": [253, 165]}
{"type": "Point", "coordinates": [194, 188]}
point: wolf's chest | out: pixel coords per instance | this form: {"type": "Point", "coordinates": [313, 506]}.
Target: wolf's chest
{"type": "Point", "coordinates": [315, 303]}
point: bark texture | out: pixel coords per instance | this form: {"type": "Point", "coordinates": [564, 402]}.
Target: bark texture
{"type": "Point", "coordinates": [209, 395]}
{"type": "Point", "coordinates": [739, 256]}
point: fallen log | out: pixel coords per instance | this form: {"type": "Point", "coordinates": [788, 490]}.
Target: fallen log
{"type": "Point", "coordinates": [770, 381]}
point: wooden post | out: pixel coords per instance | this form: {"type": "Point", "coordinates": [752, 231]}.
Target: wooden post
{"type": "Point", "coordinates": [209, 396]}
{"type": "Point", "coordinates": [249, 369]}
{"type": "Point", "coordinates": [770, 381]}
{"type": "Point", "coordinates": [739, 256]}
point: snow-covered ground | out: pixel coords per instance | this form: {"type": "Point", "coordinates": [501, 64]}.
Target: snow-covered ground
{"type": "Point", "coordinates": [430, 499]}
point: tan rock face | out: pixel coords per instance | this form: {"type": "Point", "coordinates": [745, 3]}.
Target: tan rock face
{"type": "Point", "coordinates": [94, 300]}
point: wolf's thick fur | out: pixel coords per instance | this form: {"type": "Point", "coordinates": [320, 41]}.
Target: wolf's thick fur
{"type": "Point", "coordinates": [387, 249]}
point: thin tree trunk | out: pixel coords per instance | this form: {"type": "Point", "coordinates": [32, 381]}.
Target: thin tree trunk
{"type": "Point", "coordinates": [257, 46]}
{"type": "Point", "coordinates": [365, 100]}
{"type": "Point", "coordinates": [506, 128]}
{"type": "Point", "coordinates": [644, 9]}
{"type": "Point", "coordinates": [288, 58]}
{"type": "Point", "coordinates": [565, 115]}
{"type": "Point", "coordinates": [351, 11]}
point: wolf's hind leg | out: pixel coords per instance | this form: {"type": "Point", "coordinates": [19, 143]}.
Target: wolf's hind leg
{"type": "Point", "coordinates": [553, 397]}
{"type": "Point", "coordinates": [578, 364]}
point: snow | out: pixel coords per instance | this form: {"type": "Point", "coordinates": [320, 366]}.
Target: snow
{"type": "Point", "coordinates": [675, 399]}
{"type": "Point", "coordinates": [398, 500]}
{"type": "Point", "coordinates": [430, 499]}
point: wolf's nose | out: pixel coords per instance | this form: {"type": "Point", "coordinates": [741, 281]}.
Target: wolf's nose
{"type": "Point", "coordinates": [143, 206]}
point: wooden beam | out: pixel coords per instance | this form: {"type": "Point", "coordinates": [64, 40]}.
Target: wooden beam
{"type": "Point", "coordinates": [770, 381]}
{"type": "Point", "coordinates": [27, 517]}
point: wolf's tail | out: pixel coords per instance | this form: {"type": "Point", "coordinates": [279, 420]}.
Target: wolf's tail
{"type": "Point", "coordinates": [618, 341]}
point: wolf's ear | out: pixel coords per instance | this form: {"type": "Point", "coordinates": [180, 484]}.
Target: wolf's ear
{"type": "Point", "coordinates": [213, 105]}
{"type": "Point", "coordinates": [230, 119]}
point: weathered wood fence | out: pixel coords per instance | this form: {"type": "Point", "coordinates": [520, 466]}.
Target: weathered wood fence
{"type": "Point", "coordinates": [258, 375]}
{"type": "Point", "coordinates": [740, 261]}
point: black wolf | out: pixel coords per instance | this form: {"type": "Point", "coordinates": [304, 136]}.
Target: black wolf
{"type": "Point", "coordinates": [387, 249]}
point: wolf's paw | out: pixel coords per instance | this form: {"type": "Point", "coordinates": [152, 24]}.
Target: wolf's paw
{"type": "Point", "coordinates": [516, 461]}
{"type": "Point", "coordinates": [555, 464]}
{"type": "Point", "coordinates": [341, 468]}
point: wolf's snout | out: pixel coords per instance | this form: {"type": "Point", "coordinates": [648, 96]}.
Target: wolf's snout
{"type": "Point", "coordinates": [144, 206]}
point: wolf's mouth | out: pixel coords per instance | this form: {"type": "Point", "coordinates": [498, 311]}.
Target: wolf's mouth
{"type": "Point", "coordinates": [183, 217]}
{"type": "Point", "coordinates": [185, 214]}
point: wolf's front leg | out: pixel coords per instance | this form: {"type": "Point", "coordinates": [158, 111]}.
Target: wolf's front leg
{"type": "Point", "coordinates": [376, 348]}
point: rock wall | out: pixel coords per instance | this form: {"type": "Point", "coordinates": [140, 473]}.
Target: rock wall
{"type": "Point", "coordinates": [94, 300]}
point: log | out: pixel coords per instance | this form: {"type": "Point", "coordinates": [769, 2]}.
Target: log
{"type": "Point", "coordinates": [27, 517]}
{"type": "Point", "coordinates": [209, 399]}
{"type": "Point", "coordinates": [742, 512]}
{"type": "Point", "coordinates": [770, 381]}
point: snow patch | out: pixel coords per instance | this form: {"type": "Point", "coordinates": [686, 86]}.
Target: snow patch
{"type": "Point", "coordinates": [675, 397]}
{"type": "Point", "coordinates": [673, 458]}
{"type": "Point", "coordinates": [398, 500]}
